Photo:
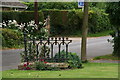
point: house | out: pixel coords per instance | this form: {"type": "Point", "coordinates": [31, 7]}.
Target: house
{"type": "Point", "coordinates": [12, 5]}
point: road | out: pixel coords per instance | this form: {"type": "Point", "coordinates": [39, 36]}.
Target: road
{"type": "Point", "coordinates": [95, 47]}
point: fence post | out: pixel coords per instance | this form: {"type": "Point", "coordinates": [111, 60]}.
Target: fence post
{"type": "Point", "coordinates": [25, 44]}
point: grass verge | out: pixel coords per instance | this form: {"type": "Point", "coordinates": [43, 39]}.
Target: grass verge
{"type": "Point", "coordinates": [78, 34]}
{"type": "Point", "coordinates": [104, 33]}
{"type": "Point", "coordinates": [107, 57]}
{"type": "Point", "coordinates": [15, 47]}
{"type": "Point", "coordinates": [90, 70]}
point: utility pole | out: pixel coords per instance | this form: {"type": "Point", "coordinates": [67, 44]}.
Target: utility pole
{"type": "Point", "coordinates": [84, 34]}
{"type": "Point", "coordinates": [36, 12]}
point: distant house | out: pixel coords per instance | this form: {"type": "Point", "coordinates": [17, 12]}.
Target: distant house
{"type": "Point", "coordinates": [12, 5]}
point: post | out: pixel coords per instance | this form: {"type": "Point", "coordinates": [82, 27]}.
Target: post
{"type": "Point", "coordinates": [25, 44]}
{"type": "Point", "coordinates": [36, 12]}
{"type": "Point", "coordinates": [84, 33]}
{"type": "Point", "coordinates": [48, 24]}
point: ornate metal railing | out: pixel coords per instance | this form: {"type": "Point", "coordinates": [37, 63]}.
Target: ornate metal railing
{"type": "Point", "coordinates": [44, 48]}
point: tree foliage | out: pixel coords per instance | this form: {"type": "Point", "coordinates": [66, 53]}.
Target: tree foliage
{"type": "Point", "coordinates": [114, 14]}
{"type": "Point", "coordinates": [52, 5]}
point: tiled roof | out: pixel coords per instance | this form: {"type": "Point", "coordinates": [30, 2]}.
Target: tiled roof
{"type": "Point", "coordinates": [12, 3]}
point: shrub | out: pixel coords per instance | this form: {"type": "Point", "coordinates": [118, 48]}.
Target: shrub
{"type": "Point", "coordinates": [98, 20]}
{"type": "Point", "coordinates": [73, 60]}
{"type": "Point", "coordinates": [114, 16]}
{"type": "Point", "coordinates": [65, 22]}
{"type": "Point", "coordinates": [116, 40]}
{"type": "Point", "coordinates": [2, 43]}
{"type": "Point", "coordinates": [40, 65]}
{"type": "Point", "coordinates": [11, 38]}
{"type": "Point", "coordinates": [116, 46]}
{"type": "Point", "coordinates": [32, 55]}
{"type": "Point", "coordinates": [68, 22]}
{"type": "Point", "coordinates": [10, 24]}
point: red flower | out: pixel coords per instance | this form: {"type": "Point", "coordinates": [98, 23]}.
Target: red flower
{"type": "Point", "coordinates": [25, 65]}
{"type": "Point", "coordinates": [41, 59]}
{"type": "Point", "coordinates": [27, 68]}
{"type": "Point", "coordinates": [45, 62]}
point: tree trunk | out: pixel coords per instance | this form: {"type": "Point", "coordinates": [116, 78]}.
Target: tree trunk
{"type": "Point", "coordinates": [84, 33]}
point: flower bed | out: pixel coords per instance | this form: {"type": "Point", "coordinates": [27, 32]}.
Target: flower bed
{"type": "Point", "coordinates": [73, 61]}
{"type": "Point", "coordinates": [45, 66]}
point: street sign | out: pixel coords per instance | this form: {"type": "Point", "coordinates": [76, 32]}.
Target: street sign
{"type": "Point", "coordinates": [80, 3]}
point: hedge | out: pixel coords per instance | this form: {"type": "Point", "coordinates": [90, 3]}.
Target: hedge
{"type": "Point", "coordinates": [21, 16]}
{"type": "Point", "coordinates": [11, 38]}
{"type": "Point", "coordinates": [65, 22]}
{"type": "Point", "coordinates": [68, 22]}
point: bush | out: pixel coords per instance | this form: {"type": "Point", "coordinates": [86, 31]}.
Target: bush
{"type": "Point", "coordinates": [73, 60]}
{"type": "Point", "coordinates": [11, 38]}
{"type": "Point", "coordinates": [68, 22]}
{"type": "Point", "coordinates": [98, 21]}
{"type": "Point", "coordinates": [65, 22]}
{"type": "Point", "coordinates": [116, 46]}
{"type": "Point", "coordinates": [40, 65]}
{"type": "Point", "coordinates": [114, 16]}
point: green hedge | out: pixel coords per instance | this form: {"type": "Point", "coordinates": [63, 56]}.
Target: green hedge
{"type": "Point", "coordinates": [69, 22]}
{"type": "Point", "coordinates": [65, 22]}
{"type": "Point", "coordinates": [10, 38]}
{"type": "Point", "coordinates": [21, 17]}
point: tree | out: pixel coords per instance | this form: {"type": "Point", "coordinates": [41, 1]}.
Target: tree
{"type": "Point", "coordinates": [84, 33]}
{"type": "Point", "coordinates": [114, 14]}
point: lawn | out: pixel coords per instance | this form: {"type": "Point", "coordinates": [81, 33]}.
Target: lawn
{"type": "Point", "coordinates": [78, 34]}
{"type": "Point", "coordinates": [90, 70]}
{"type": "Point", "coordinates": [107, 57]}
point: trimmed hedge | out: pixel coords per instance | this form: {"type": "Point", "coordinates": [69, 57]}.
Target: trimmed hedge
{"type": "Point", "coordinates": [10, 38]}
{"type": "Point", "coordinates": [21, 17]}
{"type": "Point", "coordinates": [68, 22]}
{"type": "Point", "coordinates": [64, 22]}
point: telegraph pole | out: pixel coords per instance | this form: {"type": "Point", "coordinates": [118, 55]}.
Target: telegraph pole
{"type": "Point", "coordinates": [36, 12]}
{"type": "Point", "coordinates": [84, 33]}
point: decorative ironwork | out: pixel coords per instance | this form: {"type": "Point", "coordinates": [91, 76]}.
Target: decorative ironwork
{"type": "Point", "coordinates": [44, 48]}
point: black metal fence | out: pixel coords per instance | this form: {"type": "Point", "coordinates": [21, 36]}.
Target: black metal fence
{"type": "Point", "coordinates": [44, 48]}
